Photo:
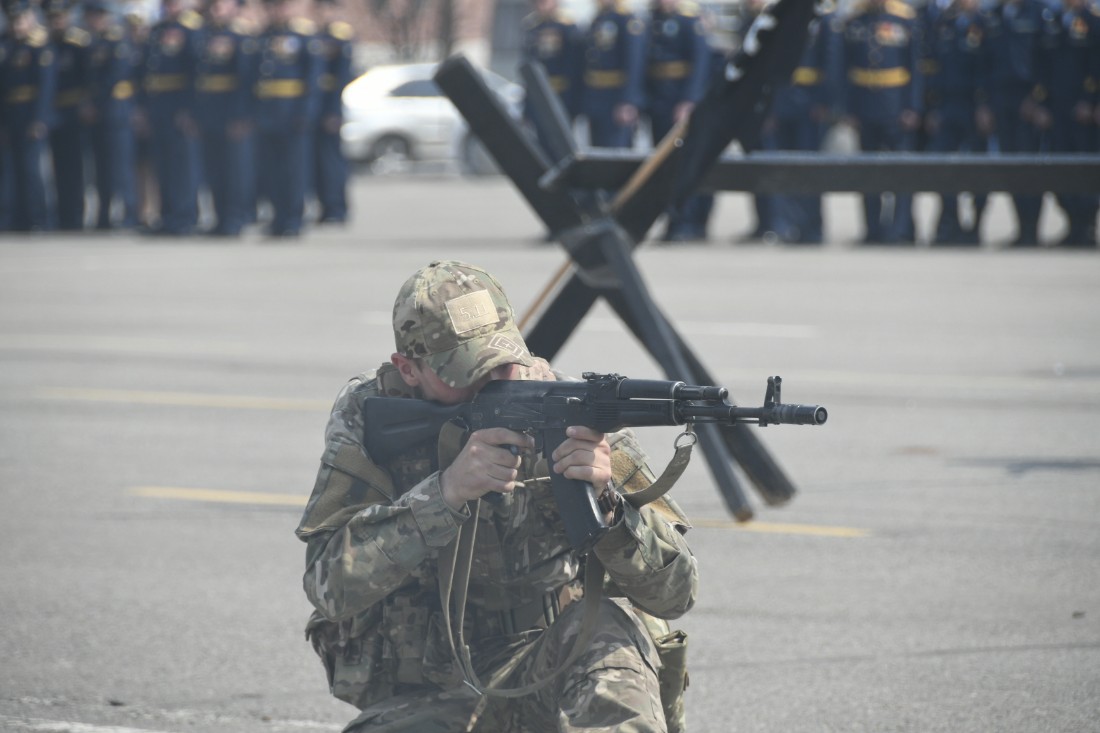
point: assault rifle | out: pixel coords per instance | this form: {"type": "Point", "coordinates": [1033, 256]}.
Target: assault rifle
{"type": "Point", "coordinates": [603, 402]}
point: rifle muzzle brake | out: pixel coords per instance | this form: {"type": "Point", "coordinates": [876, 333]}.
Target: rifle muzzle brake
{"type": "Point", "coordinates": [800, 415]}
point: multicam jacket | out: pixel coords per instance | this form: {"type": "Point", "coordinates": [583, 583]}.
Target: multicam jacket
{"type": "Point", "coordinates": [374, 534]}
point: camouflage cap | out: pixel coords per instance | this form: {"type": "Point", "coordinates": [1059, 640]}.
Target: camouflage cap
{"type": "Point", "coordinates": [457, 318]}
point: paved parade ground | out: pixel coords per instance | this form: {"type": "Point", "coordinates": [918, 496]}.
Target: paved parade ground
{"type": "Point", "coordinates": [161, 412]}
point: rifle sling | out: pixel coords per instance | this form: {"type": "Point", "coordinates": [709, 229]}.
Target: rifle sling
{"type": "Point", "coordinates": [456, 564]}
{"type": "Point", "coordinates": [665, 481]}
{"type": "Point", "coordinates": [455, 567]}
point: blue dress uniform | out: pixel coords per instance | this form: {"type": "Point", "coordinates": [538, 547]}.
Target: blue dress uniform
{"type": "Point", "coordinates": [171, 59]}
{"type": "Point", "coordinates": [1071, 76]}
{"type": "Point", "coordinates": [557, 44]}
{"type": "Point", "coordinates": [1017, 30]}
{"type": "Point", "coordinates": [614, 65]}
{"type": "Point", "coordinates": [287, 103]}
{"type": "Point", "coordinates": [955, 92]}
{"type": "Point", "coordinates": [801, 110]}
{"type": "Point", "coordinates": [927, 13]}
{"type": "Point", "coordinates": [69, 133]}
{"type": "Point", "coordinates": [28, 74]}
{"type": "Point", "coordinates": [224, 109]}
{"type": "Point", "coordinates": [113, 91]}
{"type": "Point", "coordinates": [331, 168]}
{"type": "Point", "coordinates": [137, 33]}
{"type": "Point", "coordinates": [882, 82]}
{"type": "Point", "coordinates": [677, 71]}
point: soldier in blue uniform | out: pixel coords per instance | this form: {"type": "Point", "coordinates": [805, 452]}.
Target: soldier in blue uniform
{"type": "Point", "coordinates": [677, 61]}
{"type": "Point", "coordinates": [137, 30]}
{"type": "Point", "coordinates": [551, 38]}
{"type": "Point", "coordinates": [958, 116]}
{"type": "Point", "coordinates": [69, 133]}
{"type": "Point", "coordinates": [1017, 31]}
{"type": "Point", "coordinates": [927, 13]}
{"type": "Point", "coordinates": [883, 96]}
{"type": "Point", "coordinates": [287, 104]}
{"type": "Point", "coordinates": [28, 75]}
{"type": "Point", "coordinates": [1071, 76]}
{"type": "Point", "coordinates": [331, 168]}
{"type": "Point", "coordinates": [223, 108]}
{"type": "Point", "coordinates": [614, 66]}
{"type": "Point", "coordinates": [802, 110]}
{"type": "Point", "coordinates": [112, 94]}
{"type": "Point", "coordinates": [169, 90]}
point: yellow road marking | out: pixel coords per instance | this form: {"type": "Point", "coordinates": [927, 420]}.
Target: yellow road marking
{"type": "Point", "coordinates": [181, 399]}
{"type": "Point", "coordinates": [812, 530]}
{"type": "Point", "coordinates": [216, 495]}
{"type": "Point", "coordinates": [271, 499]}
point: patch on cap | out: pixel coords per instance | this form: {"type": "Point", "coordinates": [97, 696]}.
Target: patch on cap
{"type": "Point", "coordinates": [500, 342]}
{"type": "Point", "coordinates": [471, 311]}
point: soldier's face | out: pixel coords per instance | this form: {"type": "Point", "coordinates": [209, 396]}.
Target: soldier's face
{"type": "Point", "coordinates": [97, 20]}
{"type": "Point", "coordinates": [282, 11]}
{"type": "Point", "coordinates": [419, 374]}
{"type": "Point", "coordinates": [59, 21]}
{"type": "Point", "coordinates": [223, 10]}
{"type": "Point", "coordinates": [22, 23]}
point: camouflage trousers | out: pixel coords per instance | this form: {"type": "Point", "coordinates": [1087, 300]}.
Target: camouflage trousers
{"type": "Point", "coordinates": [612, 686]}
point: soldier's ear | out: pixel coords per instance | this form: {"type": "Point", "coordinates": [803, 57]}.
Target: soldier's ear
{"type": "Point", "coordinates": [407, 368]}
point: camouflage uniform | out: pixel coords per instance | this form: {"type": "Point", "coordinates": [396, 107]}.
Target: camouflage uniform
{"type": "Point", "coordinates": [375, 534]}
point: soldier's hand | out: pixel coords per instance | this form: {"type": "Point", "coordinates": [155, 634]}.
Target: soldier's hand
{"type": "Point", "coordinates": [1027, 110]}
{"type": "Point", "coordinates": [1041, 118]}
{"type": "Point", "coordinates": [238, 129]}
{"type": "Point", "coordinates": [331, 124]}
{"type": "Point", "coordinates": [484, 464]}
{"type": "Point", "coordinates": [626, 115]}
{"type": "Point", "coordinates": [932, 123]}
{"type": "Point", "coordinates": [140, 123]}
{"type": "Point", "coordinates": [37, 131]}
{"type": "Point", "coordinates": [909, 120]}
{"type": "Point", "coordinates": [584, 456]}
{"type": "Point", "coordinates": [682, 111]}
{"type": "Point", "coordinates": [1082, 112]}
{"type": "Point", "coordinates": [983, 119]}
{"type": "Point", "coordinates": [187, 125]}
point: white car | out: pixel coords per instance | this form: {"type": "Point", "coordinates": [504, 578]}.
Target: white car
{"type": "Point", "coordinates": [395, 115]}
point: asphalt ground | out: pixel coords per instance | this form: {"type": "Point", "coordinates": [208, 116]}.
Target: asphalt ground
{"type": "Point", "coordinates": [161, 415]}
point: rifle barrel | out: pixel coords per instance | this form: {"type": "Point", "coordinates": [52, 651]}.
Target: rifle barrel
{"type": "Point", "coordinates": [782, 414]}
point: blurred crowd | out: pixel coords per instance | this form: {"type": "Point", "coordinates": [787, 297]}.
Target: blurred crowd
{"type": "Point", "coordinates": [246, 110]}
{"type": "Point", "coordinates": [945, 76]}
{"type": "Point", "coordinates": [204, 99]}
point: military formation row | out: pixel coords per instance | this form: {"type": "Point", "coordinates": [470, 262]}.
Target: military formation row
{"type": "Point", "coordinates": [194, 100]}
{"type": "Point", "coordinates": [1016, 76]}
